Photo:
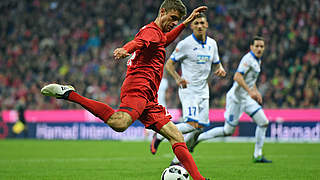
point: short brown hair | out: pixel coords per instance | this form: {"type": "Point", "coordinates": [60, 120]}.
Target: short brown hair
{"type": "Point", "coordinates": [177, 5]}
{"type": "Point", "coordinates": [201, 15]}
{"type": "Point", "coordinates": [259, 38]}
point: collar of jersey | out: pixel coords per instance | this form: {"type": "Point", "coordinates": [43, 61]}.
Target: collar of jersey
{"type": "Point", "coordinates": [199, 41]}
{"type": "Point", "coordinates": [255, 57]}
{"type": "Point", "coordinates": [156, 26]}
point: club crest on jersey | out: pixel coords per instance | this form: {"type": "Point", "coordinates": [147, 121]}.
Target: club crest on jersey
{"type": "Point", "coordinates": [202, 59]}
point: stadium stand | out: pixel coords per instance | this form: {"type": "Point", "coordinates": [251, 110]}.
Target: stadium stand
{"type": "Point", "coordinates": [72, 42]}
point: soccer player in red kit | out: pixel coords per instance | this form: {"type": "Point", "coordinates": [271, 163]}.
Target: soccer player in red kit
{"type": "Point", "coordinates": [139, 90]}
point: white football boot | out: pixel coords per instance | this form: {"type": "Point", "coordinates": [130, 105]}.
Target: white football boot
{"type": "Point", "coordinates": [56, 90]}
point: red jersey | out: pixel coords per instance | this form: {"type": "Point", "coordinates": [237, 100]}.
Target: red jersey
{"type": "Point", "coordinates": [145, 67]}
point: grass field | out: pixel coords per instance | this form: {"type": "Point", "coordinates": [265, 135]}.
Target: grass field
{"type": "Point", "coordinates": [116, 160]}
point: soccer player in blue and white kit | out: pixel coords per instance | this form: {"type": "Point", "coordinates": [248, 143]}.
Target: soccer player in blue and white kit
{"type": "Point", "coordinates": [245, 97]}
{"type": "Point", "coordinates": [196, 53]}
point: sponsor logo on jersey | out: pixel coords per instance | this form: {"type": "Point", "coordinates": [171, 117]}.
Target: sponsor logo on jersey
{"type": "Point", "coordinates": [202, 59]}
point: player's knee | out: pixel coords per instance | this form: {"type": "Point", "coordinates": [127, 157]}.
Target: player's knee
{"type": "Point", "coordinates": [264, 123]}
{"type": "Point", "coordinates": [261, 119]}
{"type": "Point", "coordinates": [120, 121]}
{"type": "Point", "coordinates": [193, 124]}
{"type": "Point", "coordinates": [119, 128]}
{"type": "Point", "coordinates": [228, 130]}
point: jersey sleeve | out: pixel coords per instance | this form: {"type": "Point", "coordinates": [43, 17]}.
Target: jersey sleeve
{"type": "Point", "coordinates": [216, 59]}
{"type": "Point", "coordinates": [244, 66]}
{"type": "Point", "coordinates": [147, 36]}
{"type": "Point", "coordinates": [173, 34]}
{"type": "Point", "coordinates": [178, 54]}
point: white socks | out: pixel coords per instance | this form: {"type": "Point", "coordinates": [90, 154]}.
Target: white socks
{"type": "Point", "coordinates": [260, 136]}
{"type": "Point", "coordinates": [183, 127]}
{"type": "Point", "coordinates": [215, 132]}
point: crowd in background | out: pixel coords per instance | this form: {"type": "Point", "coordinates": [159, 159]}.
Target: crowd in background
{"type": "Point", "coordinates": [71, 42]}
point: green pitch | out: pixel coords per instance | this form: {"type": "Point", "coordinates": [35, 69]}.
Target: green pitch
{"type": "Point", "coordinates": [116, 160]}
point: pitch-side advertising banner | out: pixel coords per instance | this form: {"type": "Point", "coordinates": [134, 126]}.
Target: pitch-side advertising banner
{"type": "Point", "coordinates": [285, 124]}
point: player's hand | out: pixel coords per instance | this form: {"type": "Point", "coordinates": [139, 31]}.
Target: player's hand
{"type": "Point", "coordinates": [256, 96]}
{"type": "Point", "coordinates": [220, 72]}
{"type": "Point", "coordinates": [120, 53]}
{"type": "Point", "coordinates": [182, 83]}
{"type": "Point", "coordinates": [259, 98]}
{"type": "Point", "coordinates": [194, 13]}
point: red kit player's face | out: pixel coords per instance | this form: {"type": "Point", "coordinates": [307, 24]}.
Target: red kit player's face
{"type": "Point", "coordinates": [170, 20]}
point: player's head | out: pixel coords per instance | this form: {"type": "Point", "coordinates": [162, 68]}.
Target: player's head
{"type": "Point", "coordinates": [257, 46]}
{"type": "Point", "coordinates": [170, 12]}
{"type": "Point", "coordinates": [199, 25]}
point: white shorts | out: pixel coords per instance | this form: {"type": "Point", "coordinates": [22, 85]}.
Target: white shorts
{"type": "Point", "coordinates": [235, 109]}
{"type": "Point", "coordinates": [194, 108]}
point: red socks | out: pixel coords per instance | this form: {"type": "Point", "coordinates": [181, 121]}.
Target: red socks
{"type": "Point", "coordinates": [104, 112]}
{"type": "Point", "coordinates": [99, 109]}
{"type": "Point", "coordinates": [184, 156]}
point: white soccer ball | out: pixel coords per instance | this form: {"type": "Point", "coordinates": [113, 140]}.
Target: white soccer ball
{"type": "Point", "coordinates": [175, 173]}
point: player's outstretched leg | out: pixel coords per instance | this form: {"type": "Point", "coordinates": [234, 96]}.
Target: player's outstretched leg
{"type": "Point", "coordinates": [57, 91]}
{"type": "Point", "coordinates": [67, 92]}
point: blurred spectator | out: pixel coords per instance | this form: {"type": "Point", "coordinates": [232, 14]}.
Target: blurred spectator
{"type": "Point", "coordinates": [72, 42]}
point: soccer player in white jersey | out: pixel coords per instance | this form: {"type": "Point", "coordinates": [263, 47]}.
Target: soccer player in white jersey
{"type": "Point", "coordinates": [245, 97]}
{"type": "Point", "coordinates": [196, 53]}
{"type": "Point", "coordinates": [162, 91]}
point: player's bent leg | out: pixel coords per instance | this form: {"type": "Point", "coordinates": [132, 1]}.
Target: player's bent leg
{"type": "Point", "coordinates": [192, 139]}
{"type": "Point", "coordinates": [171, 132]}
{"type": "Point", "coordinates": [228, 129]}
{"type": "Point", "coordinates": [260, 118]}
{"type": "Point", "coordinates": [191, 142]}
{"type": "Point", "coordinates": [174, 136]}
{"type": "Point", "coordinates": [182, 127]}
{"type": "Point", "coordinates": [187, 127]}
{"type": "Point", "coordinates": [120, 121]}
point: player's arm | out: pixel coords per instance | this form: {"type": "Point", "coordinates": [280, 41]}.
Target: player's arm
{"type": "Point", "coordinates": [171, 69]}
{"type": "Point", "coordinates": [258, 94]}
{"type": "Point", "coordinates": [219, 70]}
{"type": "Point", "coordinates": [238, 77]}
{"type": "Point", "coordinates": [173, 34]}
{"type": "Point", "coordinates": [128, 48]}
{"type": "Point", "coordinates": [194, 14]}
{"type": "Point", "coordinates": [217, 65]}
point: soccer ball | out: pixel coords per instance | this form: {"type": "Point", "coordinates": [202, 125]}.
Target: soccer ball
{"type": "Point", "coordinates": [175, 173]}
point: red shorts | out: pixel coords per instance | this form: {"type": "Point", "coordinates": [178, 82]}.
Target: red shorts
{"type": "Point", "coordinates": [151, 114]}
